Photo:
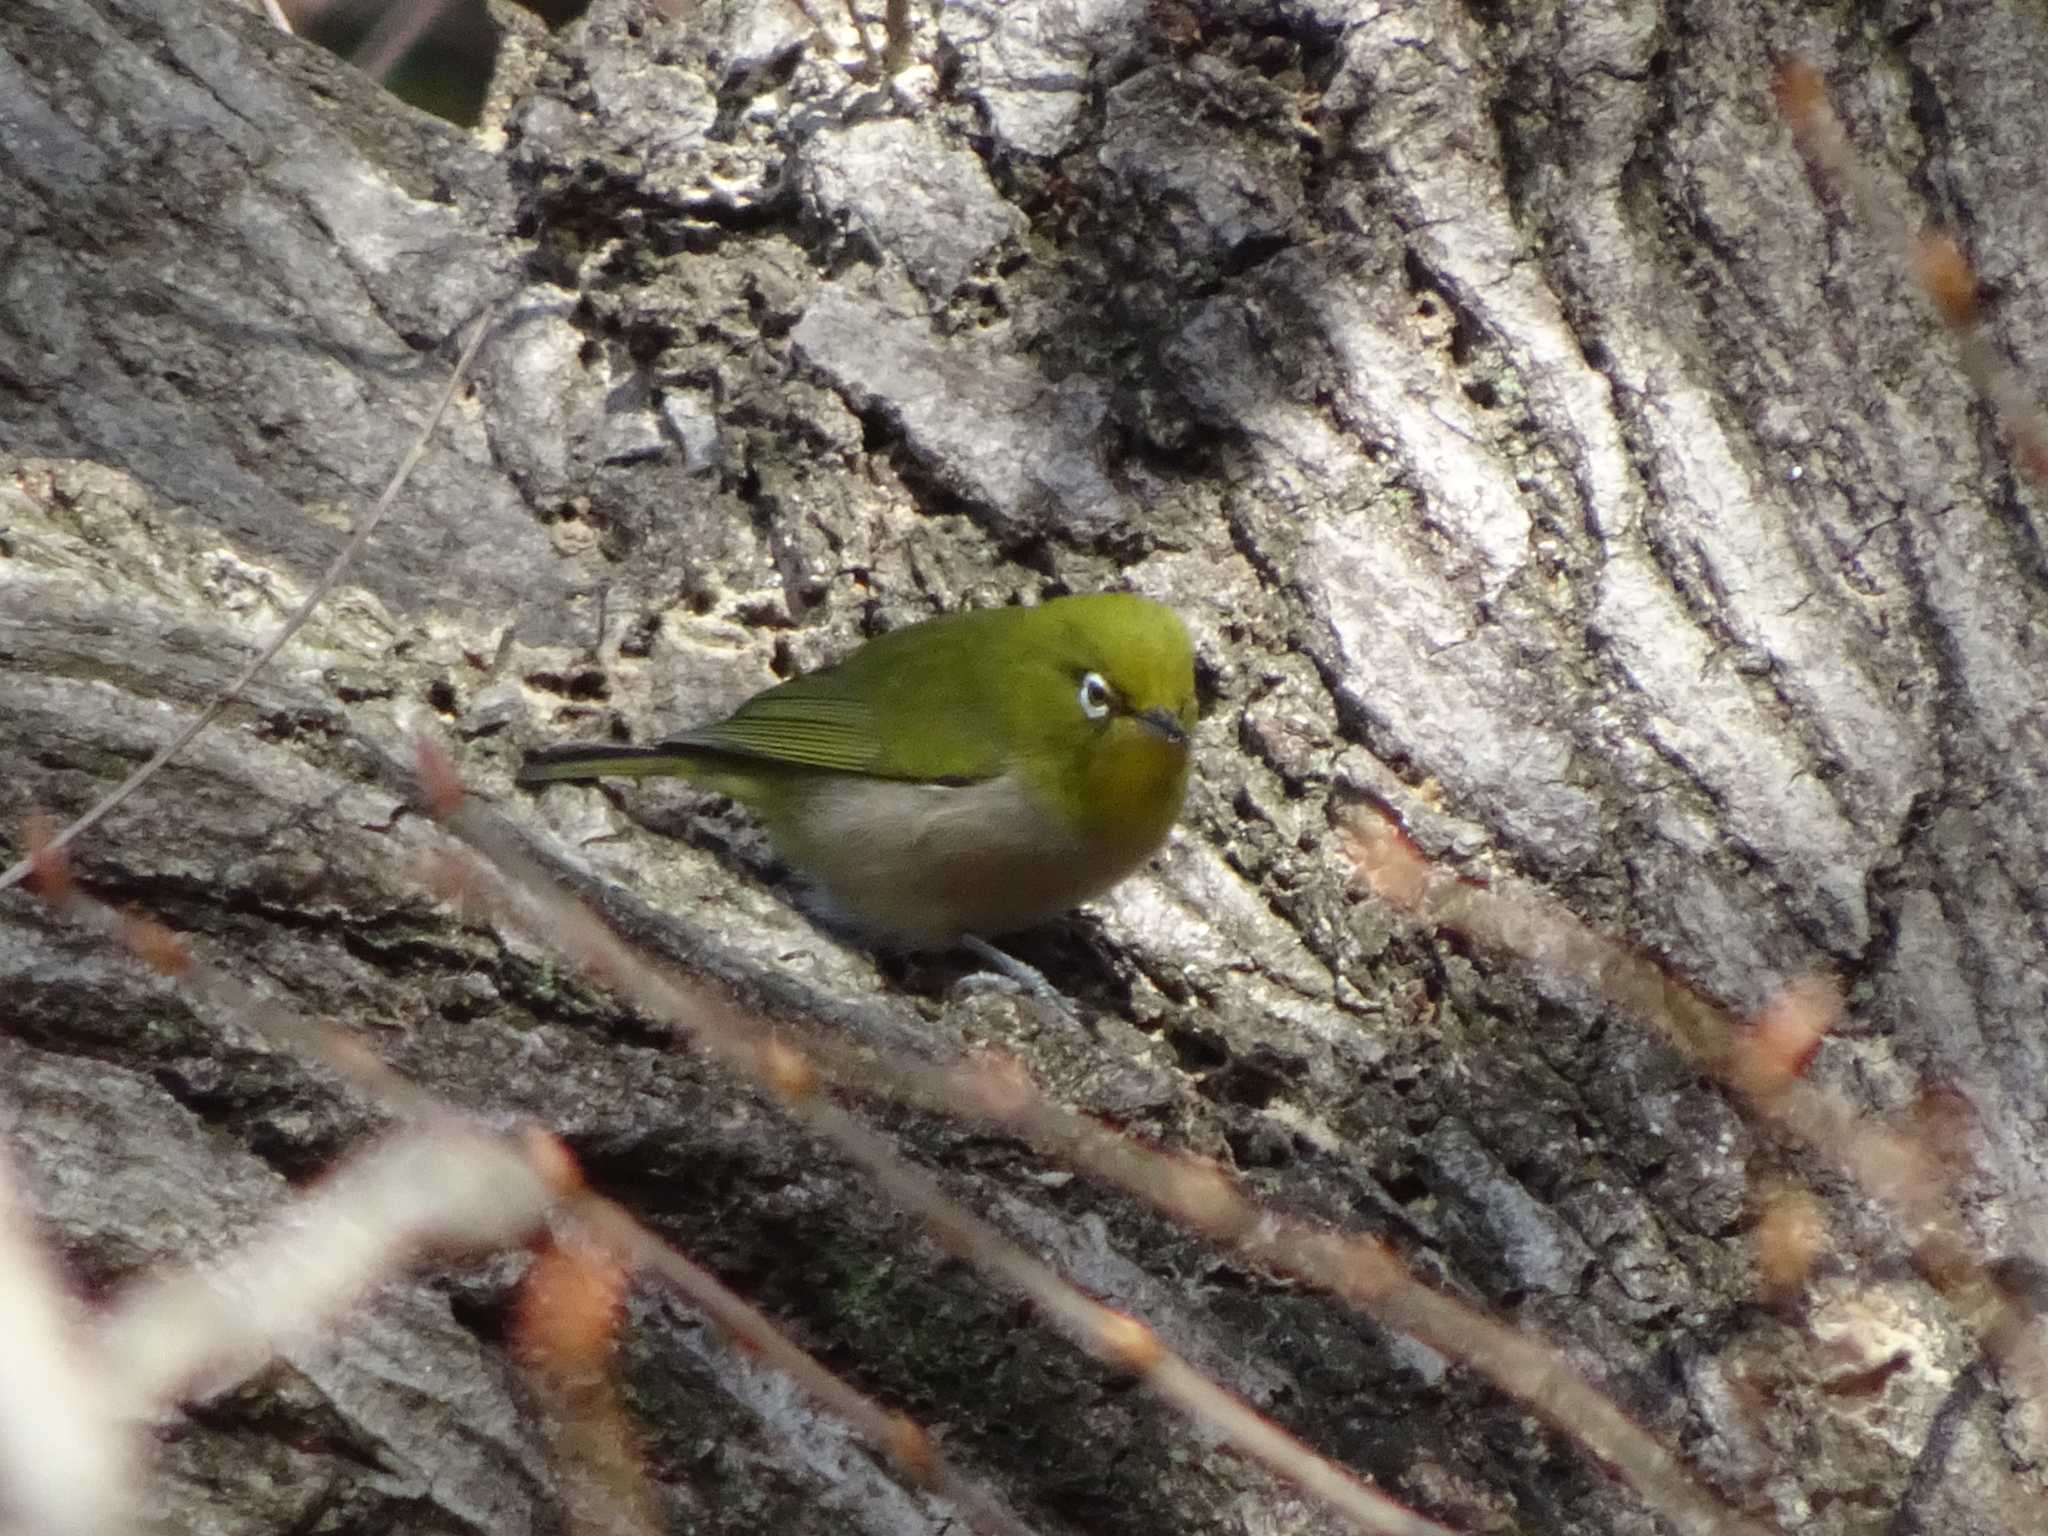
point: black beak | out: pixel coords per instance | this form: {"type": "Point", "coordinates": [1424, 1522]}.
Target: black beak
{"type": "Point", "coordinates": [1166, 723]}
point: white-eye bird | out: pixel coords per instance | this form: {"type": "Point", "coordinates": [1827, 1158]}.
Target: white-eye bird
{"type": "Point", "coordinates": [967, 776]}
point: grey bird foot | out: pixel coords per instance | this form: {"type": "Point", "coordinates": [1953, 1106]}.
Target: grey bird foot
{"type": "Point", "coordinates": [1022, 978]}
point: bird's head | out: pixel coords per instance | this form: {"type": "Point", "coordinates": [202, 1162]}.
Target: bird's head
{"type": "Point", "coordinates": [1103, 712]}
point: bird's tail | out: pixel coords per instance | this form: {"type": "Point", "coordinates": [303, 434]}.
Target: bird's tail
{"type": "Point", "coordinates": [603, 760]}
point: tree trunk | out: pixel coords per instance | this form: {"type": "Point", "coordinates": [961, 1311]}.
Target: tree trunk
{"type": "Point", "coordinates": [1534, 448]}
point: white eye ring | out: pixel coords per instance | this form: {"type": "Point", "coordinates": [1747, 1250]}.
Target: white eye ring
{"type": "Point", "coordinates": [1095, 697]}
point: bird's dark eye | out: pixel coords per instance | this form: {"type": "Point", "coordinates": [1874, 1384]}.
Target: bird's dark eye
{"type": "Point", "coordinates": [1095, 696]}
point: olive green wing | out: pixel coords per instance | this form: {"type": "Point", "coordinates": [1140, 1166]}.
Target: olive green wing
{"type": "Point", "coordinates": [916, 704]}
{"type": "Point", "coordinates": [799, 729]}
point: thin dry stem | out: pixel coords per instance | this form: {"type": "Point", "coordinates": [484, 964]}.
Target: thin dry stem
{"type": "Point", "coordinates": [826, 47]}
{"type": "Point", "coordinates": [1359, 1270]}
{"type": "Point", "coordinates": [163, 952]}
{"type": "Point", "coordinates": [403, 24]}
{"type": "Point", "coordinates": [530, 900]}
{"type": "Point", "coordinates": [1791, 1235]}
{"type": "Point", "coordinates": [867, 46]}
{"type": "Point", "coordinates": [1108, 1334]}
{"type": "Point", "coordinates": [178, 1335]}
{"type": "Point", "coordinates": [1763, 1066]}
{"type": "Point", "coordinates": [343, 558]}
{"type": "Point", "coordinates": [1935, 260]}
{"type": "Point", "coordinates": [565, 1332]}
{"type": "Point", "coordinates": [905, 1442]}
{"type": "Point", "coordinates": [66, 1465]}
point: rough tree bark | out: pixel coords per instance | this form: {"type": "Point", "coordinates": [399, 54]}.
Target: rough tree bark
{"type": "Point", "coordinates": [1532, 447]}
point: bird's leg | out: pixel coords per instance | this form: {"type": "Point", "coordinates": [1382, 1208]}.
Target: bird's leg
{"type": "Point", "coordinates": [1027, 976]}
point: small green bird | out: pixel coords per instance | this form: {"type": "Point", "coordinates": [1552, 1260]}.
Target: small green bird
{"type": "Point", "coordinates": [967, 776]}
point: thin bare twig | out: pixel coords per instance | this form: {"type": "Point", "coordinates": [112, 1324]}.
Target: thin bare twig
{"type": "Point", "coordinates": [529, 899]}
{"type": "Point", "coordinates": [565, 1334]}
{"type": "Point", "coordinates": [1359, 1270]}
{"type": "Point", "coordinates": [446, 1181]}
{"type": "Point", "coordinates": [342, 559]}
{"type": "Point", "coordinates": [166, 954]}
{"type": "Point", "coordinates": [901, 1439]}
{"type": "Point", "coordinates": [1765, 1064]}
{"type": "Point", "coordinates": [184, 1334]}
{"type": "Point", "coordinates": [403, 24]}
{"type": "Point", "coordinates": [1934, 258]}
{"type": "Point", "coordinates": [66, 1463]}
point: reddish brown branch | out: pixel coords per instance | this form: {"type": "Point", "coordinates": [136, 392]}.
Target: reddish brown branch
{"type": "Point", "coordinates": [1934, 258]}
{"type": "Point", "coordinates": [529, 899]}
{"type": "Point", "coordinates": [1764, 1063]}
{"type": "Point", "coordinates": [1360, 1270]}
